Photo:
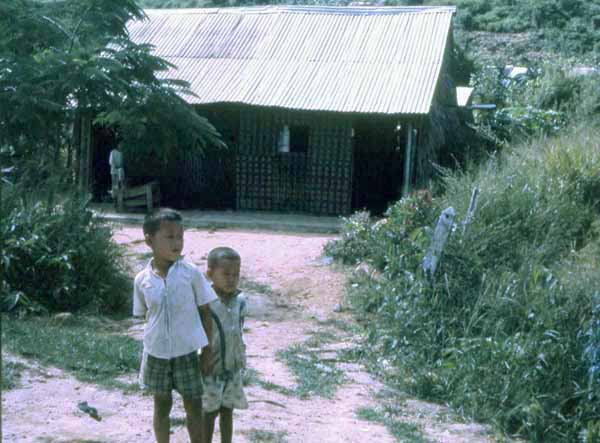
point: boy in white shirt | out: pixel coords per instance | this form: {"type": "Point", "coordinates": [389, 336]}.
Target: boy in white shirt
{"type": "Point", "coordinates": [169, 292]}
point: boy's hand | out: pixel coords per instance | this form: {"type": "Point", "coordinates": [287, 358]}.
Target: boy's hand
{"type": "Point", "coordinates": [205, 359]}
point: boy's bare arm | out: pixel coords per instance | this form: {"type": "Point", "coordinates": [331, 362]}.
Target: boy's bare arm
{"type": "Point", "coordinates": [205, 356]}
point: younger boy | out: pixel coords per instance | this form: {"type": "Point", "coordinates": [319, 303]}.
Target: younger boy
{"type": "Point", "coordinates": [223, 389]}
{"type": "Point", "coordinates": [169, 291]}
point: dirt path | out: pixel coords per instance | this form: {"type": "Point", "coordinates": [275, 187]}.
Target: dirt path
{"type": "Point", "coordinates": [292, 294]}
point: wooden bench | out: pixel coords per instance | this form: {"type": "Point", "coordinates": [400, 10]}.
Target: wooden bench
{"type": "Point", "coordinates": [137, 198]}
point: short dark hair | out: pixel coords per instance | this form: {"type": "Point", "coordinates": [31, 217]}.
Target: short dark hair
{"type": "Point", "coordinates": [217, 255]}
{"type": "Point", "coordinates": [152, 221]}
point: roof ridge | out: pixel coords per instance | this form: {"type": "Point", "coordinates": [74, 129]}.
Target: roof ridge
{"type": "Point", "coordinates": [362, 10]}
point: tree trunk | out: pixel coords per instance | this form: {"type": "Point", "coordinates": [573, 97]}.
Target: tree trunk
{"type": "Point", "coordinates": [85, 156]}
{"type": "Point", "coordinates": [69, 161]}
{"type": "Point", "coordinates": [76, 149]}
{"type": "Point", "coordinates": [55, 177]}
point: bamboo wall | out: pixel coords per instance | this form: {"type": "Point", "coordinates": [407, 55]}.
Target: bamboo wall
{"type": "Point", "coordinates": [318, 181]}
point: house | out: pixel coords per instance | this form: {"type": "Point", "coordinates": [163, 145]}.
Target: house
{"type": "Point", "coordinates": [325, 109]}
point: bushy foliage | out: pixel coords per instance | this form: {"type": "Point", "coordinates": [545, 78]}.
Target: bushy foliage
{"type": "Point", "coordinates": [383, 243]}
{"type": "Point", "coordinates": [570, 27]}
{"type": "Point", "coordinates": [356, 239]}
{"type": "Point", "coordinates": [504, 330]}
{"type": "Point", "coordinates": [59, 259]}
{"type": "Point", "coordinates": [61, 63]}
{"type": "Point", "coordinates": [548, 99]}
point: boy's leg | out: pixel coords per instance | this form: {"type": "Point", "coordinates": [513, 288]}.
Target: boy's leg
{"type": "Point", "coordinates": [226, 424]}
{"type": "Point", "coordinates": [162, 424]}
{"type": "Point", "coordinates": [193, 413]}
{"type": "Point", "coordinates": [208, 422]}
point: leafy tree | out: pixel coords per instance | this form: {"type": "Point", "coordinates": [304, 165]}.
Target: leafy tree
{"type": "Point", "coordinates": [60, 60]}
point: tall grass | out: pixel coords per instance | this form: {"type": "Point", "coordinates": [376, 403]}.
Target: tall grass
{"type": "Point", "coordinates": [504, 329]}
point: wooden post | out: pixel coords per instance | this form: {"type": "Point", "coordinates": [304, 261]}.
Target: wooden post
{"type": "Point", "coordinates": [408, 154]}
{"type": "Point", "coordinates": [73, 162]}
{"type": "Point", "coordinates": [85, 157]}
{"type": "Point", "coordinates": [82, 160]}
{"type": "Point", "coordinates": [440, 236]}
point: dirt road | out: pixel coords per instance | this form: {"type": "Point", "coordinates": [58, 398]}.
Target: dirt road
{"type": "Point", "coordinates": [292, 293]}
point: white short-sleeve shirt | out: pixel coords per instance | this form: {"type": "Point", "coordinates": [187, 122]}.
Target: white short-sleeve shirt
{"type": "Point", "coordinates": [115, 160]}
{"type": "Point", "coordinates": [170, 306]}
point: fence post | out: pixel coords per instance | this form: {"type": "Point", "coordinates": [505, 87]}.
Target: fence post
{"type": "Point", "coordinates": [440, 236]}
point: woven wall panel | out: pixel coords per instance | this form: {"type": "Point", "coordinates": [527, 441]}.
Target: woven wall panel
{"type": "Point", "coordinates": [318, 181]}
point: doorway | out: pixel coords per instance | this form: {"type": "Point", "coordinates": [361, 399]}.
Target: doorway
{"type": "Point", "coordinates": [378, 146]}
{"type": "Point", "coordinates": [104, 140]}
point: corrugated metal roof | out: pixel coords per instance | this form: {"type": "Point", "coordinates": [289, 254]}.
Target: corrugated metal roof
{"type": "Point", "coordinates": [383, 60]}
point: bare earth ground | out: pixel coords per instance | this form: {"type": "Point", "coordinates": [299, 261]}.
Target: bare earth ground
{"type": "Point", "coordinates": [292, 292]}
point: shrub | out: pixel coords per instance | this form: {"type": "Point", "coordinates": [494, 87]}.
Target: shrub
{"type": "Point", "coordinates": [60, 258]}
{"type": "Point", "coordinates": [504, 331]}
{"type": "Point", "coordinates": [387, 242]}
{"type": "Point", "coordinates": [544, 102]}
{"type": "Point", "coordinates": [356, 238]}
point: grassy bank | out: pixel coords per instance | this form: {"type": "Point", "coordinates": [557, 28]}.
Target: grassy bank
{"type": "Point", "coordinates": [504, 331]}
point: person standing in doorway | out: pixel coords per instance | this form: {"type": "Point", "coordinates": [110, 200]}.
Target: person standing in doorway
{"type": "Point", "coordinates": [117, 170]}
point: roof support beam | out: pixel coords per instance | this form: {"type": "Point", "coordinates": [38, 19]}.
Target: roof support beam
{"type": "Point", "coordinates": [410, 148]}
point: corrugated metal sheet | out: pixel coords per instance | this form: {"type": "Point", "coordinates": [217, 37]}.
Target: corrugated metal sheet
{"type": "Point", "coordinates": [366, 60]}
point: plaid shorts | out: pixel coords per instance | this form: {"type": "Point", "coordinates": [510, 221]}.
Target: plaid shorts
{"type": "Point", "coordinates": [161, 376]}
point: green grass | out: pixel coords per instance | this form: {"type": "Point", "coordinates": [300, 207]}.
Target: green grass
{"type": "Point", "coordinates": [319, 338]}
{"type": "Point", "coordinates": [11, 374]}
{"type": "Point", "coordinates": [252, 377]}
{"type": "Point", "coordinates": [349, 327]}
{"type": "Point", "coordinates": [270, 386]}
{"type": "Point", "coordinates": [87, 353]}
{"type": "Point", "coordinates": [262, 436]}
{"type": "Point", "coordinates": [314, 375]}
{"type": "Point", "coordinates": [402, 431]}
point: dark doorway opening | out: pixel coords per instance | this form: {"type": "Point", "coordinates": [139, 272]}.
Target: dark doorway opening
{"type": "Point", "coordinates": [378, 164]}
{"type": "Point", "coordinates": [208, 180]}
{"type": "Point", "coordinates": [104, 140]}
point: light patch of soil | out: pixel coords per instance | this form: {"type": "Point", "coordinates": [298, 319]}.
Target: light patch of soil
{"type": "Point", "coordinates": [291, 293]}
